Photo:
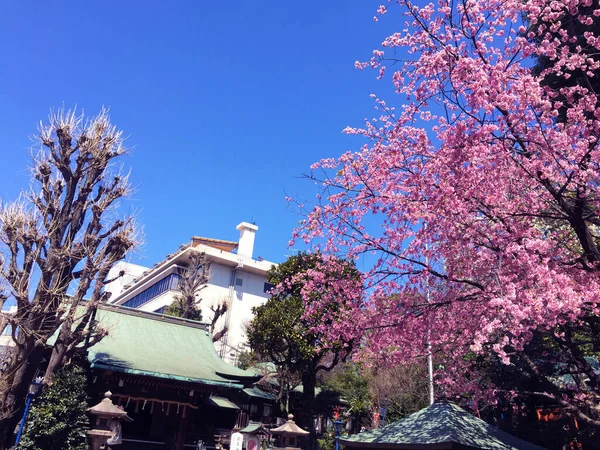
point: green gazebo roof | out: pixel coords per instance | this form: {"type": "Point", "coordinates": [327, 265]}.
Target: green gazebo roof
{"type": "Point", "coordinates": [442, 425]}
{"type": "Point", "coordinates": [159, 346]}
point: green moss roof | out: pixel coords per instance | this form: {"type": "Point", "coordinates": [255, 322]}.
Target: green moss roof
{"type": "Point", "coordinates": [441, 426]}
{"type": "Point", "coordinates": [159, 346]}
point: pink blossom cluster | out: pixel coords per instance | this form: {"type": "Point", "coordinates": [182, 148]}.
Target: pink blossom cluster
{"type": "Point", "coordinates": [466, 198]}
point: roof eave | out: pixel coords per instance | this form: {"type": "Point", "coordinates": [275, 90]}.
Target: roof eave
{"type": "Point", "coordinates": [401, 446]}
{"type": "Point", "coordinates": [145, 373]}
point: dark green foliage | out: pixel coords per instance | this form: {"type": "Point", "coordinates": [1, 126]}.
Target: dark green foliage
{"type": "Point", "coordinates": [353, 387]}
{"type": "Point", "coordinates": [281, 333]}
{"type": "Point", "coordinates": [400, 389]}
{"type": "Point", "coordinates": [58, 420]}
{"type": "Point", "coordinates": [176, 309]}
{"type": "Point", "coordinates": [327, 441]}
{"type": "Point", "coordinates": [193, 280]}
{"type": "Point", "coordinates": [246, 359]}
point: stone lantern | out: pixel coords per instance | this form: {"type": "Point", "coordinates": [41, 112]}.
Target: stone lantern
{"type": "Point", "coordinates": [289, 433]}
{"type": "Point", "coordinates": [106, 429]}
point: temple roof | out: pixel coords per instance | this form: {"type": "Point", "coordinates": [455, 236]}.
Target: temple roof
{"type": "Point", "coordinates": [149, 344]}
{"type": "Point", "coordinates": [442, 425]}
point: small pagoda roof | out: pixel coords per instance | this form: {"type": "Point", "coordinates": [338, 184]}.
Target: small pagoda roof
{"type": "Point", "coordinates": [254, 428]}
{"type": "Point", "coordinates": [106, 408]}
{"type": "Point", "coordinates": [289, 428]}
{"type": "Point", "coordinates": [442, 425]}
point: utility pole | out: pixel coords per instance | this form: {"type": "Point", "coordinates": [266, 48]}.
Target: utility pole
{"type": "Point", "coordinates": [429, 350]}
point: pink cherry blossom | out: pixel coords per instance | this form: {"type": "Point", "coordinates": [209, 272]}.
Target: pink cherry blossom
{"type": "Point", "coordinates": [475, 209]}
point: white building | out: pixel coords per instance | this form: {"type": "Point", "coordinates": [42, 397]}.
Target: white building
{"type": "Point", "coordinates": [235, 278]}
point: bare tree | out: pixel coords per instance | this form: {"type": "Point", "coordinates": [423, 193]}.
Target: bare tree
{"type": "Point", "coordinates": [186, 303]}
{"type": "Point", "coordinates": [194, 279]}
{"type": "Point", "coordinates": [219, 311]}
{"type": "Point", "coordinates": [59, 240]}
{"type": "Point", "coordinates": [402, 389]}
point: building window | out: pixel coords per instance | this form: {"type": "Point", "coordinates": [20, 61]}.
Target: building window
{"type": "Point", "coordinates": [169, 283]}
{"type": "Point", "coordinates": [253, 409]}
{"type": "Point", "coordinates": [266, 410]}
{"type": "Point", "coordinates": [239, 282]}
{"type": "Point", "coordinates": [267, 287]}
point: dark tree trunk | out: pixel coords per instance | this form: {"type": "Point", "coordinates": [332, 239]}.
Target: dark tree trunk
{"type": "Point", "coordinates": [20, 386]}
{"type": "Point", "coordinates": [309, 382]}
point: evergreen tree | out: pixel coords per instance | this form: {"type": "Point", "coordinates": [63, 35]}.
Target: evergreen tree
{"type": "Point", "coordinates": [57, 420]}
{"type": "Point", "coordinates": [284, 333]}
{"type": "Point", "coordinates": [193, 280]}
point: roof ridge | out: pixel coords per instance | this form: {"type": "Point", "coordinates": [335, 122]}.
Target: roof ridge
{"type": "Point", "coordinates": [120, 309]}
{"type": "Point", "coordinates": [224, 241]}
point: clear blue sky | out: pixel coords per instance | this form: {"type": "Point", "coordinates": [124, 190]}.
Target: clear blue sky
{"type": "Point", "coordinates": [224, 104]}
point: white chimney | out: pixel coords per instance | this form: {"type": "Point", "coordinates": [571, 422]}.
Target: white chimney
{"type": "Point", "coordinates": [246, 244]}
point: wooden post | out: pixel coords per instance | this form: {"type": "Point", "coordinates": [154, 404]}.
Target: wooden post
{"type": "Point", "coordinates": [181, 432]}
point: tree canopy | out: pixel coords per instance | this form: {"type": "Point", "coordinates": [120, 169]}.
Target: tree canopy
{"type": "Point", "coordinates": [479, 201]}
{"type": "Point", "coordinates": [193, 279]}
{"type": "Point", "coordinates": [284, 328]}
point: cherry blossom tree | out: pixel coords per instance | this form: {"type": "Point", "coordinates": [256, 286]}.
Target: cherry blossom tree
{"type": "Point", "coordinates": [475, 203]}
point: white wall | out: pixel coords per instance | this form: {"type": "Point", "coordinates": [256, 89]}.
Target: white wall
{"type": "Point", "coordinates": [241, 300]}
{"type": "Point", "coordinates": [131, 271]}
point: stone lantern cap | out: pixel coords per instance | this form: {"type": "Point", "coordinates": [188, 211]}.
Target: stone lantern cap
{"type": "Point", "coordinates": [290, 428]}
{"type": "Point", "coordinates": [107, 409]}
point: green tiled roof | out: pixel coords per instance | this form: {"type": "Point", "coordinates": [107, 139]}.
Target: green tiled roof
{"type": "Point", "coordinates": [223, 402]}
{"type": "Point", "coordinates": [158, 346]}
{"type": "Point", "coordinates": [254, 428]}
{"type": "Point", "coordinates": [256, 392]}
{"type": "Point", "coordinates": [439, 426]}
